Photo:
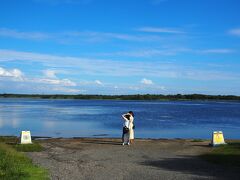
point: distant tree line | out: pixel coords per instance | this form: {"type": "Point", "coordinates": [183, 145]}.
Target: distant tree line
{"type": "Point", "coordinates": [126, 97]}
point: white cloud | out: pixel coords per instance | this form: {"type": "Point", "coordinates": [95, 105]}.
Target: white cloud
{"type": "Point", "coordinates": [51, 78]}
{"type": "Point", "coordinates": [135, 88]}
{"type": "Point", "coordinates": [17, 75]}
{"type": "Point", "coordinates": [50, 73]}
{"type": "Point", "coordinates": [149, 52]}
{"type": "Point", "coordinates": [23, 35]}
{"type": "Point", "coordinates": [61, 82]}
{"type": "Point", "coordinates": [117, 68]}
{"type": "Point", "coordinates": [93, 36]}
{"type": "Point", "coordinates": [67, 90]}
{"type": "Point", "coordinates": [146, 81]}
{"type": "Point", "coordinates": [235, 32]}
{"type": "Point", "coordinates": [69, 37]}
{"type": "Point", "coordinates": [146, 53]}
{"type": "Point", "coordinates": [162, 88]}
{"type": "Point", "coordinates": [160, 30]}
{"type": "Point", "coordinates": [98, 82]}
{"type": "Point", "coordinates": [14, 73]}
{"type": "Point", "coordinates": [216, 51]}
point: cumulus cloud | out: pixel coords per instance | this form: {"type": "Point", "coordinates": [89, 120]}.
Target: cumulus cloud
{"type": "Point", "coordinates": [91, 66]}
{"type": "Point", "coordinates": [17, 75]}
{"type": "Point", "coordinates": [67, 90]}
{"type": "Point", "coordinates": [61, 82]}
{"type": "Point", "coordinates": [146, 81]}
{"type": "Point", "coordinates": [117, 68]}
{"type": "Point", "coordinates": [51, 78]}
{"type": "Point", "coordinates": [13, 73]}
{"type": "Point", "coordinates": [50, 73]}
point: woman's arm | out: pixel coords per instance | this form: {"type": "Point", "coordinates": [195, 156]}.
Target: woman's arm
{"type": "Point", "coordinates": [123, 116]}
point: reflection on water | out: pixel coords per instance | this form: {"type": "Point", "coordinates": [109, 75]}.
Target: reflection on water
{"type": "Point", "coordinates": [12, 122]}
{"type": "Point", "coordinates": [49, 124]}
{"type": "Point", "coordinates": [87, 118]}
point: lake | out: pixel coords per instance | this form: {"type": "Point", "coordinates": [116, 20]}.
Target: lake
{"type": "Point", "coordinates": [102, 118]}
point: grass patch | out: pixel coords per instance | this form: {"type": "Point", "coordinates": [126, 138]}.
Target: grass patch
{"type": "Point", "coordinates": [35, 147]}
{"type": "Point", "coordinates": [15, 165]}
{"type": "Point", "coordinates": [228, 154]}
{"type": "Point", "coordinates": [13, 141]}
{"type": "Point", "coordinates": [9, 139]}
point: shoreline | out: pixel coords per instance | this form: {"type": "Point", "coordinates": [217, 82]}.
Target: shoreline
{"type": "Point", "coordinates": [134, 97]}
{"type": "Point", "coordinates": [140, 100]}
{"type": "Point", "coordinates": [114, 138]}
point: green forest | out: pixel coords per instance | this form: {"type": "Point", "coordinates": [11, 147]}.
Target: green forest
{"type": "Point", "coordinates": [127, 97]}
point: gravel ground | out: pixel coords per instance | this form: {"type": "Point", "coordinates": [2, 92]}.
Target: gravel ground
{"type": "Point", "coordinates": [87, 158]}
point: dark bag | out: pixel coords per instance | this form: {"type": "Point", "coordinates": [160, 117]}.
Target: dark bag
{"type": "Point", "coordinates": [125, 130]}
{"type": "Point", "coordinates": [133, 126]}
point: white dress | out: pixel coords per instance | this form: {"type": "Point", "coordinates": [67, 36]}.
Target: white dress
{"type": "Point", "coordinates": [131, 130]}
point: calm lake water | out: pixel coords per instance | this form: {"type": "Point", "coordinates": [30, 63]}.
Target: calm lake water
{"type": "Point", "coordinates": [102, 118]}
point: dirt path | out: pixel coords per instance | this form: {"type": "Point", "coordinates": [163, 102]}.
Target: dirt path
{"type": "Point", "coordinates": [146, 159]}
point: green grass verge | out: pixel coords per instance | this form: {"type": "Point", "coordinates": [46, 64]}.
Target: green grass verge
{"type": "Point", "coordinates": [15, 165]}
{"type": "Point", "coordinates": [13, 141]}
{"type": "Point", "coordinates": [228, 155]}
{"type": "Point", "coordinates": [9, 139]}
{"type": "Point", "coordinates": [35, 147]}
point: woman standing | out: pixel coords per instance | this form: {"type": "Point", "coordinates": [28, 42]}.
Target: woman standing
{"type": "Point", "coordinates": [125, 132]}
{"type": "Point", "coordinates": [131, 127]}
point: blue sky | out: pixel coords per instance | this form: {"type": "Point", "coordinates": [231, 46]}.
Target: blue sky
{"type": "Point", "coordinates": [120, 47]}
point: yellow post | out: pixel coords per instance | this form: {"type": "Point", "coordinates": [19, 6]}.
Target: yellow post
{"type": "Point", "coordinates": [217, 138]}
{"type": "Point", "coordinates": [26, 137]}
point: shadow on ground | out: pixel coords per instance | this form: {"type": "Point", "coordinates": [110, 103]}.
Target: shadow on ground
{"type": "Point", "coordinates": [194, 166]}
{"type": "Point", "coordinates": [202, 145]}
{"type": "Point", "coordinates": [93, 141]}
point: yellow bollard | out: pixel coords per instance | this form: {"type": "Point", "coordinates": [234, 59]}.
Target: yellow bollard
{"type": "Point", "coordinates": [217, 138]}
{"type": "Point", "coordinates": [26, 137]}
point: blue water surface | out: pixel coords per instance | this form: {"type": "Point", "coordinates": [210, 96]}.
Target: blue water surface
{"type": "Point", "coordinates": [102, 118]}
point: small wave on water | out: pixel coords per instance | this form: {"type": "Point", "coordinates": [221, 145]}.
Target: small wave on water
{"type": "Point", "coordinates": [163, 103]}
{"type": "Point", "coordinates": [162, 120]}
{"type": "Point", "coordinates": [101, 135]}
{"type": "Point", "coordinates": [169, 117]}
